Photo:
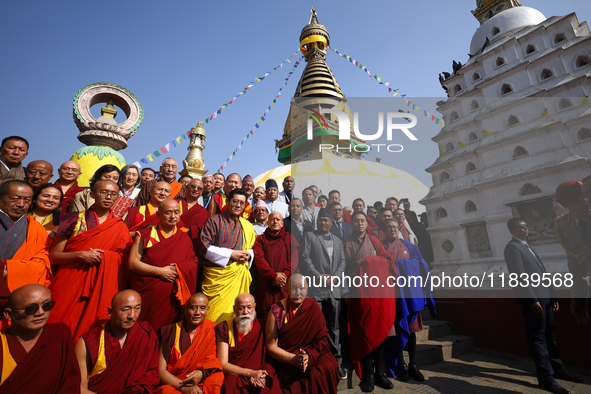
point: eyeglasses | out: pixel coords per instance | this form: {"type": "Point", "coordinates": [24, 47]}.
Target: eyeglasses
{"type": "Point", "coordinates": [69, 170]}
{"type": "Point", "coordinates": [391, 228]}
{"type": "Point", "coordinates": [33, 308]}
{"type": "Point", "coordinates": [104, 193]}
{"type": "Point", "coordinates": [522, 226]}
{"type": "Point", "coordinates": [238, 202]}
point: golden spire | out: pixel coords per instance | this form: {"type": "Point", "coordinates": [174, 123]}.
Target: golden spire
{"type": "Point", "coordinates": [486, 9]}
{"type": "Point", "coordinates": [108, 110]}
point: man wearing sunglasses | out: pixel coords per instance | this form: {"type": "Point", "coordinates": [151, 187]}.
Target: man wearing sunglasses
{"type": "Point", "coordinates": [36, 357]}
{"type": "Point", "coordinates": [24, 243]}
{"type": "Point", "coordinates": [88, 249]}
{"type": "Point", "coordinates": [538, 305]}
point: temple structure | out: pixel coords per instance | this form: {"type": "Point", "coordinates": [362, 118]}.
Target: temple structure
{"type": "Point", "coordinates": [104, 136]}
{"type": "Point", "coordinates": [317, 89]}
{"type": "Point", "coordinates": [194, 164]}
{"type": "Point", "coordinates": [517, 124]}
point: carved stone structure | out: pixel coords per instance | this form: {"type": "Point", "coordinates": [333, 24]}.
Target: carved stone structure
{"type": "Point", "coordinates": [194, 164]}
{"type": "Point", "coordinates": [104, 136]}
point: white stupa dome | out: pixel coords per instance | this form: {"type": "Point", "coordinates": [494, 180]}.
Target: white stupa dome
{"type": "Point", "coordinates": [353, 179]}
{"type": "Point", "coordinates": [507, 22]}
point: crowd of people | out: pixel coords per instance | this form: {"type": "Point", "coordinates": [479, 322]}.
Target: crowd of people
{"type": "Point", "coordinates": [152, 281]}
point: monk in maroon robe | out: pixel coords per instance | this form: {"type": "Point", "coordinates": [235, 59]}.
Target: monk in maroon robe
{"type": "Point", "coordinates": [164, 267]}
{"type": "Point", "coordinates": [88, 250]}
{"type": "Point", "coordinates": [193, 214]}
{"type": "Point", "coordinates": [145, 215]}
{"type": "Point", "coordinates": [297, 341]}
{"type": "Point", "coordinates": [273, 258]}
{"type": "Point", "coordinates": [371, 311]}
{"type": "Point", "coordinates": [241, 351]}
{"type": "Point", "coordinates": [69, 173]}
{"type": "Point", "coordinates": [121, 356]}
{"type": "Point", "coordinates": [35, 357]}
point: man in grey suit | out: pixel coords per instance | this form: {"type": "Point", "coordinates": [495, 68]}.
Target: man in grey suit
{"type": "Point", "coordinates": [323, 258]}
{"type": "Point", "coordinates": [538, 306]}
{"type": "Point", "coordinates": [339, 227]}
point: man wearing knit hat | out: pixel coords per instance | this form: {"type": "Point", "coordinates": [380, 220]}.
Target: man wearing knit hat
{"type": "Point", "coordinates": [273, 202]}
{"type": "Point", "coordinates": [261, 214]}
{"type": "Point", "coordinates": [574, 233]}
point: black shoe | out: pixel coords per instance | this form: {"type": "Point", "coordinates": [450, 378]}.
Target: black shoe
{"type": "Point", "coordinates": [553, 387]}
{"type": "Point", "coordinates": [342, 372]}
{"type": "Point", "coordinates": [402, 372]}
{"type": "Point", "coordinates": [367, 383]}
{"type": "Point", "coordinates": [383, 382]}
{"type": "Point", "coordinates": [414, 373]}
{"type": "Point", "coordinates": [565, 375]}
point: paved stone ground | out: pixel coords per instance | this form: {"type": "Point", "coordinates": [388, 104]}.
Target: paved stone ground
{"type": "Point", "coordinates": [476, 373]}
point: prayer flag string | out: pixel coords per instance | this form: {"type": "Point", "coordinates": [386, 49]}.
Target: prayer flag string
{"type": "Point", "coordinates": [260, 121]}
{"type": "Point", "coordinates": [433, 118]}
{"type": "Point", "coordinates": [183, 137]}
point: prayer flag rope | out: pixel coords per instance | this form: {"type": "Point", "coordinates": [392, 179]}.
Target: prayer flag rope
{"type": "Point", "coordinates": [183, 137]}
{"type": "Point", "coordinates": [262, 118]}
{"type": "Point", "coordinates": [387, 85]}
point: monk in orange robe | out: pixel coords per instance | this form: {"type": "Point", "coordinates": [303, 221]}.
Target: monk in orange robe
{"type": "Point", "coordinates": [145, 215]}
{"type": "Point", "coordinates": [220, 201]}
{"type": "Point", "coordinates": [88, 249]}
{"type": "Point", "coordinates": [188, 352]}
{"type": "Point", "coordinates": [36, 357]}
{"type": "Point", "coordinates": [241, 350]}
{"type": "Point", "coordinates": [163, 266]}
{"type": "Point", "coordinates": [297, 341]}
{"type": "Point", "coordinates": [121, 356]}
{"type": "Point", "coordinates": [24, 243]}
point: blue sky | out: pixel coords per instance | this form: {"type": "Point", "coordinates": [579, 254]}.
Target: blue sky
{"type": "Point", "coordinates": [184, 59]}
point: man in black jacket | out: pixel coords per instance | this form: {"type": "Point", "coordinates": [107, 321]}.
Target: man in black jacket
{"type": "Point", "coordinates": [539, 304]}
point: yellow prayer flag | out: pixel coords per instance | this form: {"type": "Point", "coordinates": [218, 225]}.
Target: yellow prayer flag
{"type": "Point", "coordinates": [150, 157]}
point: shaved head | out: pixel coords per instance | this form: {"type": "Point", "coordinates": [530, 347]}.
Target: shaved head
{"type": "Point", "coordinates": [244, 297]}
{"type": "Point", "coordinates": [102, 184]}
{"type": "Point", "coordinates": [166, 204]}
{"type": "Point", "coordinates": [161, 184]}
{"type": "Point", "coordinates": [122, 297]}
{"type": "Point", "coordinates": [16, 298]}
{"type": "Point", "coordinates": [197, 296]}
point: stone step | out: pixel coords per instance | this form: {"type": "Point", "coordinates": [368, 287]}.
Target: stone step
{"type": "Point", "coordinates": [433, 329]}
{"type": "Point", "coordinates": [428, 352]}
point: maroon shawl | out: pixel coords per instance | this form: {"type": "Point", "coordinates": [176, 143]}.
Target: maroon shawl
{"type": "Point", "coordinates": [69, 195]}
{"type": "Point", "coordinates": [50, 367]}
{"type": "Point", "coordinates": [306, 330]}
{"type": "Point", "coordinates": [248, 353]}
{"type": "Point", "coordinates": [372, 311]}
{"type": "Point", "coordinates": [132, 368]}
{"type": "Point", "coordinates": [272, 254]}
{"type": "Point", "coordinates": [197, 215]}
{"type": "Point", "coordinates": [160, 305]}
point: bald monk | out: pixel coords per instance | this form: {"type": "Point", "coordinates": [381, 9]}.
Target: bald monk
{"type": "Point", "coordinates": [188, 361]}
{"type": "Point", "coordinates": [145, 215]}
{"type": "Point", "coordinates": [69, 172]}
{"type": "Point", "coordinates": [220, 201]}
{"type": "Point", "coordinates": [37, 173]}
{"type": "Point", "coordinates": [168, 173]}
{"type": "Point", "coordinates": [163, 266]}
{"type": "Point", "coordinates": [88, 251]}
{"type": "Point", "coordinates": [36, 357]}
{"type": "Point", "coordinates": [241, 350]}
{"type": "Point", "coordinates": [297, 341]}
{"type": "Point", "coordinates": [121, 356]}
{"type": "Point", "coordinates": [24, 243]}
{"type": "Point", "coordinates": [273, 258]}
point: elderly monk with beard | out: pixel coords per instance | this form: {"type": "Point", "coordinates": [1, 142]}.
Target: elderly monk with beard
{"type": "Point", "coordinates": [145, 215]}
{"type": "Point", "coordinates": [241, 350]}
{"type": "Point", "coordinates": [188, 361]}
{"type": "Point", "coordinates": [121, 356]}
{"type": "Point", "coordinates": [273, 258]}
{"type": "Point", "coordinates": [163, 266]}
{"type": "Point", "coordinates": [36, 357]}
{"type": "Point", "coordinates": [88, 251]}
{"type": "Point", "coordinates": [297, 340]}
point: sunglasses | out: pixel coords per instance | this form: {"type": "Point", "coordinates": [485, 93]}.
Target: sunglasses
{"type": "Point", "coordinates": [523, 226]}
{"type": "Point", "coordinates": [32, 309]}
